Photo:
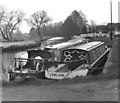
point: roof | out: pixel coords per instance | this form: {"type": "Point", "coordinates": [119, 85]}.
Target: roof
{"type": "Point", "coordinates": [57, 46]}
{"type": "Point", "coordinates": [64, 44]}
{"type": "Point", "coordinates": [117, 32]}
{"type": "Point", "coordinates": [88, 46]}
{"type": "Point", "coordinates": [56, 38]}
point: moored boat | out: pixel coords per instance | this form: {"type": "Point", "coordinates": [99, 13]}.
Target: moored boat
{"type": "Point", "coordinates": [34, 61]}
{"type": "Point", "coordinates": [60, 61]}
{"type": "Point", "coordinates": [78, 60]}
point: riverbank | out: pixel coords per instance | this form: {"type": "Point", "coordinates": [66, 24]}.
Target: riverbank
{"type": "Point", "coordinates": [9, 46]}
{"type": "Point", "coordinates": [107, 40]}
{"type": "Point", "coordinates": [22, 45]}
{"type": "Point", "coordinates": [112, 64]}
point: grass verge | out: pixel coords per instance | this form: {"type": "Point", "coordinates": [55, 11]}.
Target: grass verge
{"type": "Point", "coordinates": [21, 47]}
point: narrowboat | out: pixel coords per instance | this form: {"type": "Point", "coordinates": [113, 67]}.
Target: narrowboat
{"type": "Point", "coordinates": [34, 61]}
{"type": "Point", "coordinates": [78, 60]}
{"type": "Point", "coordinates": [56, 50]}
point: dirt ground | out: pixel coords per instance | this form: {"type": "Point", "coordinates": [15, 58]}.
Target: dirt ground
{"type": "Point", "coordinates": [97, 90]}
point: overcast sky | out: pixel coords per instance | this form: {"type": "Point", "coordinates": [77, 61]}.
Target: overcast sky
{"type": "Point", "coordinates": [58, 10]}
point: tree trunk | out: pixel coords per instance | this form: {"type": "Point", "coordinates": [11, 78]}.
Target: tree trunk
{"type": "Point", "coordinates": [39, 33]}
{"type": "Point", "coordinates": [10, 36]}
{"type": "Point", "coordinates": [6, 37]}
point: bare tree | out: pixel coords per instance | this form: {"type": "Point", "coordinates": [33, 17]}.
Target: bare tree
{"type": "Point", "coordinates": [2, 18]}
{"type": "Point", "coordinates": [9, 21]}
{"type": "Point", "coordinates": [2, 13]}
{"type": "Point", "coordinates": [38, 19]}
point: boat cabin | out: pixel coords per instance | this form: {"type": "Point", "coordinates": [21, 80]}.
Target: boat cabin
{"type": "Point", "coordinates": [89, 53]}
{"type": "Point", "coordinates": [57, 49]}
{"type": "Point", "coordinates": [78, 60]}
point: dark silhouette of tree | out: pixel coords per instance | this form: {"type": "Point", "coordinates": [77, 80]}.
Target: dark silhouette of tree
{"type": "Point", "coordinates": [37, 20]}
{"type": "Point", "coordinates": [69, 28]}
{"type": "Point", "coordinates": [75, 24]}
{"type": "Point", "coordinates": [82, 21]}
{"type": "Point", "coordinates": [52, 29]}
{"type": "Point", "coordinates": [9, 21]}
{"type": "Point", "coordinates": [84, 30]}
{"type": "Point", "coordinates": [83, 17]}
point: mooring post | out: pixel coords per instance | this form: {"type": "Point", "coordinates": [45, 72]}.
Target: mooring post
{"type": "Point", "coordinates": [111, 19]}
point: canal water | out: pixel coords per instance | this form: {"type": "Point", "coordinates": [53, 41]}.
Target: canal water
{"type": "Point", "coordinates": [7, 61]}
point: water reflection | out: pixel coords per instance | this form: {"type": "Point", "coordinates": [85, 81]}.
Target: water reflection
{"type": "Point", "coordinates": [8, 59]}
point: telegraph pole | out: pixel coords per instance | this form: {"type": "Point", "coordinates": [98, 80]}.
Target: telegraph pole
{"type": "Point", "coordinates": [111, 19]}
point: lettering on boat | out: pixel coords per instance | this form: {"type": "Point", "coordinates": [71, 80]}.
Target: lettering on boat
{"type": "Point", "coordinates": [56, 74]}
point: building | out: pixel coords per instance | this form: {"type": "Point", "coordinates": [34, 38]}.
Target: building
{"type": "Point", "coordinates": [107, 28]}
{"type": "Point", "coordinates": [102, 29]}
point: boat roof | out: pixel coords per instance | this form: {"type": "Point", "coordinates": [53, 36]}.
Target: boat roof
{"type": "Point", "coordinates": [64, 44]}
{"type": "Point", "coordinates": [57, 46]}
{"type": "Point", "coordinates": [88, 46]}
{"type": "Point", "coordinates": [56, 38]}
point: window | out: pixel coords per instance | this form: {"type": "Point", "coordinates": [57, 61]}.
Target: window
{"type": "Point", "coordinates": [73, 55]}
{"type": "Point", "coordinates": [94, 56]}
{"type": "Point", "coordinates": [98, 52]}
{"type": "Point", "coordinates": [102, 49]}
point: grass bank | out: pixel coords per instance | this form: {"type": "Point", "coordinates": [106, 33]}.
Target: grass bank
{"type": "Point", "coordinates": [107, 40]}
{"type": "Point", "coordinates": [19, 46]}
{"type": "Point", "coordinates": [112, 64]}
